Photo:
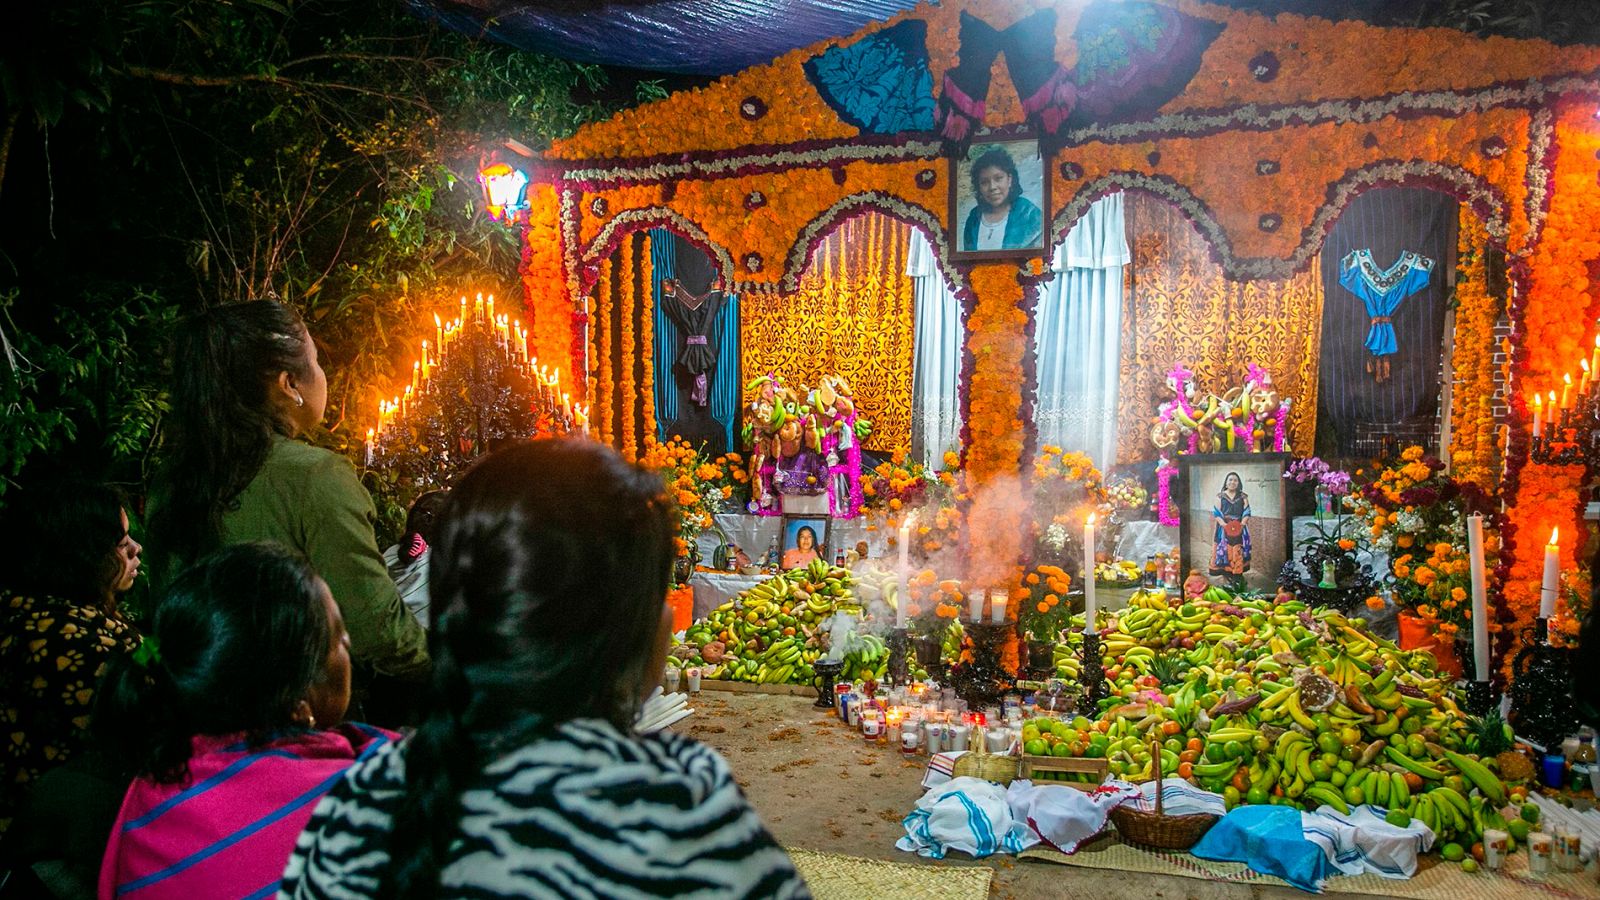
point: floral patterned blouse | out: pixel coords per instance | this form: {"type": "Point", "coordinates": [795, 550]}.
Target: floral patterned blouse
{"type": "Point", "coordinates": [52, 654]}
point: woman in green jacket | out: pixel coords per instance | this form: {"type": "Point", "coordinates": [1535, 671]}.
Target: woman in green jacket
{"type": "Point", "coordinates": [247, 384]}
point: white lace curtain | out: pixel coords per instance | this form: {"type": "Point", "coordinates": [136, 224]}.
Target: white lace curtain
{"type": "Point", "coordinates": [935, 409]}
{"type": "Point", "coordinates": [1078, 336]}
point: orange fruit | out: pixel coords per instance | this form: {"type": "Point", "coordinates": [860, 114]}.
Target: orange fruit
{"type": "Point", "coordinates": [1195, 744]}
{"type": "Point", "coordinates": [1185, 769]}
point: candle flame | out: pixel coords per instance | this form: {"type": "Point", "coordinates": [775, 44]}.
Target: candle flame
{"type": "Point", "coordinates": [1567, 378]}
{"type": "Point", "coordinates": [1554, 533]}
{"type": "Point", "coordinates": [1552, 398]}
{"type": "Point", "coordinates": [370, 433]}
{"type": "Point", "coordinates": [1091, 519]}
{"type": "Point", "coordinates": [1538, 401]}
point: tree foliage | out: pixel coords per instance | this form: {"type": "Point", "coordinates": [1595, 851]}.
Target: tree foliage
{"type": "Point", "coordinates": [163, 155]}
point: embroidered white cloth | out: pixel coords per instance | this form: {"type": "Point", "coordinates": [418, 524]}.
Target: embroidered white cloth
{"type": "Point", "coordinates": [1064, 817]}
{"type": "Point", "coordinates": [1363, 842]}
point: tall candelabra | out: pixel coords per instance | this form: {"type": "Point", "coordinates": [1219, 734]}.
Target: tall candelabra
{"type": "Point", "coordinates": [474, 387]}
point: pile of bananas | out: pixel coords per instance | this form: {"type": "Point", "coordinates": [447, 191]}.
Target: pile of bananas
{"type": "Point", "coordinates": [1270, 702]}
{"type": "Point", "coordinates": [770, 633]}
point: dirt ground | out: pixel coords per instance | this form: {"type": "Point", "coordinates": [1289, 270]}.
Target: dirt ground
{"type": "Point", "coordinates": [819, 787]}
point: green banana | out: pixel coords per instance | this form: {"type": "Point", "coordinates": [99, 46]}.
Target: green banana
{"type": "Point", "coordinates": [1425, 770]}
{"type": "Point", "coordinates": [1327, 796]}
{"type": "Point", "coordinates": [1483, 779]}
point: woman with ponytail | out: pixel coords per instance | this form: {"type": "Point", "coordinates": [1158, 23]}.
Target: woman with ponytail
{"type": "Point", "coordinates": [247, 383]}
{"type": "Point", "coordinates": [228, 717]}
{"type": "Point", "coordinates": [548, 581]}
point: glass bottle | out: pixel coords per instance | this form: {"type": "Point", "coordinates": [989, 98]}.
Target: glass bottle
{"type": "Point", "coordinates": [1151, 577]}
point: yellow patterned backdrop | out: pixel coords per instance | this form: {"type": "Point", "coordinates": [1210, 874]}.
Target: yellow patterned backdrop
{"type": "Point", "coordinates": [853, 315]}
{"type": "Point", "coordinates": [1181, 309]}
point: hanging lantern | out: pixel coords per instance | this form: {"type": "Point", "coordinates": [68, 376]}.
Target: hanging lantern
{"type": "Point", "coordinates": [505, 192]}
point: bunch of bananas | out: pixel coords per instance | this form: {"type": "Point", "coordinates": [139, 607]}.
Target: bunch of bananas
{"type": "Point", "coordinates": [769, 633]}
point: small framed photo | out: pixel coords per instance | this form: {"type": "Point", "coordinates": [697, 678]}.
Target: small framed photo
{"type": "Point", "coordinates": [999, 198]}
{"type": "Point", "coordinates": [1234, 521]}
{"type": "Point", "coordinates": [805, 538]}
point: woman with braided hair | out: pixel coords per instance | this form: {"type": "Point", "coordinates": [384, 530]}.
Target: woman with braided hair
{"type": "Point", "coordinates": [548, 581]}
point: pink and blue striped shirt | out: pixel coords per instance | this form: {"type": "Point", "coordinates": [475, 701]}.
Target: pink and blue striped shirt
{"type": "Point", "coordinates": [228, 830]}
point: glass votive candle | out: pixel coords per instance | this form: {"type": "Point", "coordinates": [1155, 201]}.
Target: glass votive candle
{"type": "Point", "coordinates": [669, 680]}
{"type": "Point", "coordinates": [693, 676]}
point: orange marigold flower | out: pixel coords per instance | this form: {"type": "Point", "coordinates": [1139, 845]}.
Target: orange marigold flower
{"type": "Point", "coordinates": [1346, 544]}
{"type": "Point", "coordinates": [1375, 603]}
{"type": "Point", "coordinates": [1033, 578]}
{"type": "Point", "coordinates": [1051, 598]}
{"type": "Point", "coordinates": [1043, 607]}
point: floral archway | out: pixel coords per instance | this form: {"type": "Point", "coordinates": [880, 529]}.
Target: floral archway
{"type": "Point", "coordinates": [1270, 130]}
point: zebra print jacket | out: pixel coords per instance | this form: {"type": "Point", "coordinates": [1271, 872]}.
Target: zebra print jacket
{"type": "Point", "coordinates": [587, 813]}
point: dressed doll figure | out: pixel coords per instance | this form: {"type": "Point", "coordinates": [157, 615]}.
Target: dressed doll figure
{"type": "Point", "coordinates": [1231, 516]}
{"type": "Point", "coordinates": [1195, 585]}
{"type": "Point", "coordinates": [696, 318]}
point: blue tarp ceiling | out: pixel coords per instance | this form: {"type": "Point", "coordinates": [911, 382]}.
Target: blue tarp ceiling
{"type": "Point", "coordinates": [695, 37]}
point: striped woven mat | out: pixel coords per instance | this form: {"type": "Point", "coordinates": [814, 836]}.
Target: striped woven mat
{"type": "Point", "coordinates": [834, 876]}
{"type": "Point", "coordinates": [1435, 879]}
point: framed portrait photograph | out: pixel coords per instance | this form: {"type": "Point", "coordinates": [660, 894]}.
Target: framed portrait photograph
{"type": "Point", "coordinates": [999, 199]}
{"type": "Point", "coordinates": [1234, 518]}
{"type": "Point", "coordinates": [805, 538]}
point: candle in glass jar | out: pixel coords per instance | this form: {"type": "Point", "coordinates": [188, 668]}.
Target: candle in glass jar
{"type": "Point", "coordinates": [997, 607]}
{"type": "Point", "coordinates": [975, 605]}
{"type": "Point", "coordinates": [1552, 576]}
{"type": "Point", "coordinates": [892, 721]}
{"type": "Point", "coordinates": [1089, 607]}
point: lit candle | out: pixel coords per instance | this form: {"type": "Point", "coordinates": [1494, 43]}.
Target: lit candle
{"type": "Point", "coordinates": [1480, 603]}
{"type": "Point", "coordinates": [416, 376]}
{"type": "Point", "coordinates": [1089, 610]}
{"type": "Point", "coordinates": [1550, 415]}
{"type": "Point", "coordinates": [370, 434]}
{"type": "Point", "coordinates": [1594, 361]}
{"type": "Point", "coordinates": [566, 405]}
{"type": "Point", "coordinates": [582, 417]}
{"type": "Point", "coordinates": [1566, 390]}
{"type": "Point", "coordinates": [1552, 576]}
{"type": "Point", "coordinates": [477, 308]}
{"type": "Point", "coordinates": [997, 607]}
{"type": "Point", "coordinates": [1583, 378]}
{"type": "Point", "coordinates": [1538, 417]}
{"type": "Point", "coordinates": [905, 568]}
{"type": "Point", "coordinates": [491, 307]}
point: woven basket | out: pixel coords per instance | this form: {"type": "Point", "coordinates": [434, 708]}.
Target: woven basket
{"type": "Point", "coordinates": [987, 766]}
{"type": "Point", "coordinates": [1157, 829]}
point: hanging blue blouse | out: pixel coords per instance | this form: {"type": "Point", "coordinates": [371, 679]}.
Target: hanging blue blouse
{"type": "Point", "coordinates": [1381, 290]}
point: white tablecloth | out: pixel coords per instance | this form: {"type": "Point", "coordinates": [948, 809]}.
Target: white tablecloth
{"type": "Point", "coordinates": [712, 589]}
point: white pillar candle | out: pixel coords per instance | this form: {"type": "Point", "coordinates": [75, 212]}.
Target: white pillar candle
{"type": "Point", "coordinates": [904, 571]}
{"type": "Point", "coordinates": [997, 607]}
{"type": "Point", "coordinates": [1552, 576]}
{"type": "Point", "coordinates": [975, 605]}
{"type": "Point", "coordinates": [1538, 417]}
{"type": "Point", "coordinates": [1480, 603]}
{"type": "Point", "coordinates": [1089, 607]}
{"type": "Point", "coordinates": [1594, 360]}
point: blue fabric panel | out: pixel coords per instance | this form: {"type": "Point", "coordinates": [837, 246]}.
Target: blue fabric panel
{"type": "Point", "coordinates": [881, 83]}
{"type": "Point", "coordinates": [662, 251]}
{"type": "Point", "coordinates": [699, 37]}
{"type": "Point", "coordinates": [725, 382]}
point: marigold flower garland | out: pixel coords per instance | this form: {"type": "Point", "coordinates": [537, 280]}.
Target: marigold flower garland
{"type": "Point", "coordinates": [1474, 444]}
{"type": "Point", "coordinates": [628, 293]}
{"type": "Point", "coordinates": [647, 339]}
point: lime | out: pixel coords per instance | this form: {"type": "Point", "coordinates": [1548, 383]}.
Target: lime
{"type": "Point", "coordinates": [1354, 794]}
{"type": "Point", "coordinates": [1328, 742]}
{"type": "Point", "coordinates": [1453, 852]}
{"type": "Point", "coordinates": [1234, 750]}
{"type": "Point", "coordinates": [1081, 723]}
{"type": "Point", "coordinates": [1332, 759]}
{"type": "Point", "coordinates": [1530, 813]}
{"type": "Point", "coordinates": [1346, 766]}
{"type": "Point", "coordinates": [1030, 733]}
{"type": "Point", "coordinates": [1349, 735]}
{"type": "Point", "coordinates": [1416, 747]}
{"type": "Point", "coordinates": [1215, 753]}
{"type": "Point", "coordinates": [1320, 770]}
{"type": "Point", "coordinates": [1060, 729]}
{"type": "Point", "coordinates": [1230, 796]}
{"type": "Point", "coordinates": [1469, 866]}
{"type": "Point", "coordinates": [1399, 818]}
{"type": "Point", "coordinates": [1062, 748]}
{"type": "Point", "coordinates": [1518, 828]}
{"type": "Point", "coordinates": [1034, 747]}
{"type": "Point", "coordinates": [1338, 778]}
{"type": "Point", "coordinates": [1260, 744]}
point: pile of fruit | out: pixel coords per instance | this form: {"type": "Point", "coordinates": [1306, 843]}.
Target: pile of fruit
{"type": "Point", "coordinates": [1122, 573]}
{"type": "Point", "coordinates": [1270, 702]}
{"type": "Point", "coordinates": [775, 632]}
